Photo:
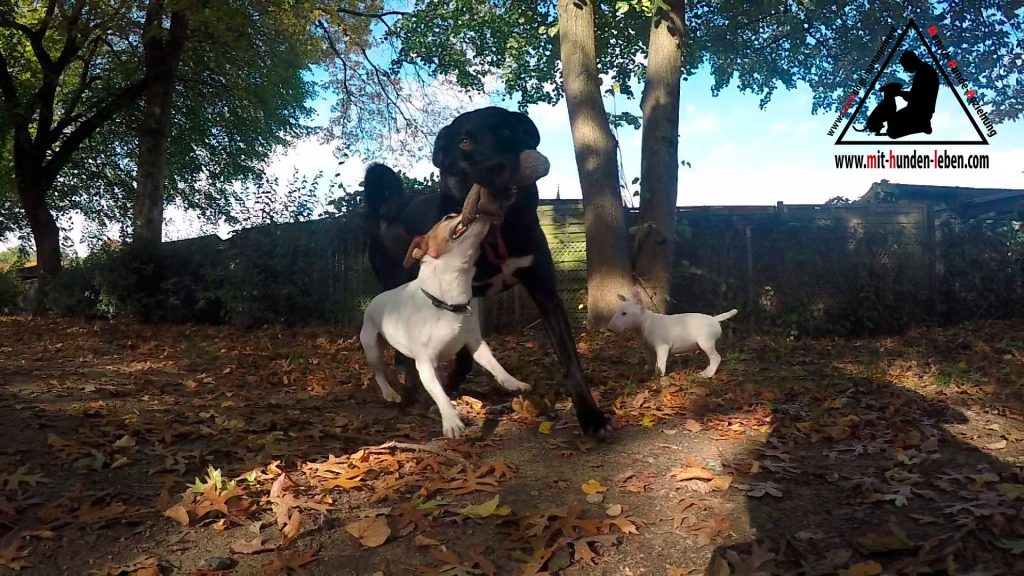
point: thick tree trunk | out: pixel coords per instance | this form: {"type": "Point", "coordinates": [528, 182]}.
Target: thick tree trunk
{"type": "Point", "coordinates": [32, 194]}
{"type": "Point", "coordinates": [608, 264]}
{"type": "Point", "coordinates": [44, 231]}
{"type": "Point", "coordinates": [659, 154]}
{"type": "Point", "coordinates": [162, 56]}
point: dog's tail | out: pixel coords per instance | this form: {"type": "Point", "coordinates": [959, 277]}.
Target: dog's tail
{"type": "Point", "coordinates": [726, 315]}
{"type": "Point", "coordinates": [381, 188]}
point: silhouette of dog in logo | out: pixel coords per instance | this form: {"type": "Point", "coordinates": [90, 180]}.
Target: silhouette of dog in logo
{"type": "Point", "coordinates": [916, 116]}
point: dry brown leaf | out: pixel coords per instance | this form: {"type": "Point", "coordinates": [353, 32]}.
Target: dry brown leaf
{"type": "Point", "coordinates": [293, 527]}
{"type": "Point", "coordinates": [693, 426]}
{"type": "Point", "coordinates": [423, 541]}
{"type": "Point", "coordinates": [371, 532]}
{"type": "Point", "coordinates": [254, 546]}
{"type": "Point", "coordinates": [692, 473]}
{"type": "Point", "coordinates": [592, 487]}
{"type": "Point", "coordinates": [869, 568]}
{"type": "Point", "coordinates": [13, 556]}
{"type": "Point", "coordinates": [890, 541]}
{"type": "Point", "coordinates": [179, 514]}
{"type": "Point", "coordinates": [291, 564]}
{"type": "Point", "coordinates": [999, 445]}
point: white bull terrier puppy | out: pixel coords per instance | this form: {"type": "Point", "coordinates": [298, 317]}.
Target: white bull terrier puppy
{"type": "Point", "coordinates": [429, 319]}
{"type": "Point", "coordinates": [665, 333]}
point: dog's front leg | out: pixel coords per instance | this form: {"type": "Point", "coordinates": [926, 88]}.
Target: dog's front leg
{"type": "Point", "coordinates": [483, 356]}
{"type": "Point", "coordinates": [539, 281]}
{"type": "Point", "coordinates": [451, 424]}
{"type": "Point", "coordinates": [662, 360]}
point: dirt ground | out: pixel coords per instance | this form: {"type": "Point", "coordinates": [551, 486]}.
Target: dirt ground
{"type": "Point", "coordinates": [141, 450]}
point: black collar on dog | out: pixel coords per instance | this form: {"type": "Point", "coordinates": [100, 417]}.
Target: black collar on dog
{"type": "Point", "coordinates": [456, 308]}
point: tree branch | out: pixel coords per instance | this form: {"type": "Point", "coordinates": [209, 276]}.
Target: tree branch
{"type": "Point", "coordinates": [13, 104]}
{"type": "Point", "coordinates": [376, 16]}
{"type": "Point", "coordinates": [61, 156]}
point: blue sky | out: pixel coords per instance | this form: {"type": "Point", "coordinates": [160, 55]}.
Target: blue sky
{"type": "Point", "coordinates": [738, 153]}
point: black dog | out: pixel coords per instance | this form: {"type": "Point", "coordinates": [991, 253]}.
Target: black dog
{"type": "Point", "coordinates": [483, 147]}
{"type": "Point", "coordinates": [884, 110]}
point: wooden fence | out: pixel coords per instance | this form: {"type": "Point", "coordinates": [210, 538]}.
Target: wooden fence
{"type": "Point", "coordinates": [802, 269]}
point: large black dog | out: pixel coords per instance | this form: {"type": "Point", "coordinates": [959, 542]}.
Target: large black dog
{"type": "Point", "coordinates": [482, 146]}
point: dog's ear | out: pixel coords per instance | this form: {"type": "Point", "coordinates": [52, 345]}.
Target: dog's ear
{"type": "Point", "coordinates": [442, 143]}
{"type": "Point", "coordinates": [417, 250]}
{"type": "Point", "coordinates": [528, 129]}
{"type": "Point", "coordinates": [622, 298]}
{"type": "Point", "coordinates": [635, 293]}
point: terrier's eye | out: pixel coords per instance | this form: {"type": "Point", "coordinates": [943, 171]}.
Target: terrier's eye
{"type": "Point", "coordinates": [465, 143]}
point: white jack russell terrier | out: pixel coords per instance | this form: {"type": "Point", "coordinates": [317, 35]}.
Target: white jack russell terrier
{"type": "Point", "coordinates": [430, 318]}
{"type": "Point", "coordinates": [670, 333]}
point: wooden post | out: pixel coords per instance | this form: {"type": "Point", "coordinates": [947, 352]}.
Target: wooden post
{"type": "Point", "coordinates": [750, 272]}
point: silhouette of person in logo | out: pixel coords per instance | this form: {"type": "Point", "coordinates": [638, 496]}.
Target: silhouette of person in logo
{"type": "Point", "coordinates": [916, 116]}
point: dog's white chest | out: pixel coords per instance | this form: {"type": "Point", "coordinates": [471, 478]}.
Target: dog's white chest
{"type": "Point", "coordinates": [506, 279]}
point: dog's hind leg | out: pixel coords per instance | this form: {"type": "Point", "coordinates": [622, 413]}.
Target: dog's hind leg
{"type": "Point", "coordinates": [483, 356]}
{"type": "Point", "coordinates": [451, 424]}
{"type": "Point", "coordinates": [708, 346]}
{"type": "Point", "coordinates": [460, 368]}
{"type": "Point", "coordinates": [371, 340]}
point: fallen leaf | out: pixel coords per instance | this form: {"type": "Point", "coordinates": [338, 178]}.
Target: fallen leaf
{"type": "Point", "coordinates": [486, 509]}
{"type": "Point", "coordinates": [371, 532]}
{"type": "Point", "coordinates": [291, 564]}
{"type": "Point", "coordinates": [178, 513]}
{"type": "Point", "coordinates": [592, 487]}
{"type": "Point", "coordinates": [869, 568]}
{"type": "Point", "coordinates": [294, 526]}
{"type": "Point", "coordinates": [613, 510]}
{"type": "Point", "coordinates": [693, 426]}
{"type": "Point", "coordinates": [254, 546]}
{"type": "Point", "coordinates": [595, 498]}
{"type": "Point", "coordinates": [141, 566]}
{"type": "Point", "coordinates": [648, 421]}
{"type": "Point", "coordinates": [423, 541]}
{"type": "Point", "coordinates": [692, 473]}
{"type": "Point", "coordinates": [1011, 491]}
{"type": "Point", "coordinates": [13, 556]}
{"type": "Point", "coordinates": [545, 427]}
{"type": "Point", "coordinates": [996, 445]}
{"type": "Point", "coordinates": [126, 441]}
{"type": "Point", "coordinates": [892, 540]}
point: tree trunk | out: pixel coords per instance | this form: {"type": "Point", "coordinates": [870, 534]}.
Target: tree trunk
{"type": "Point", "coordinates": [32, 194]}
{"type": "Point", "coordinates": [608, 265]}
{"type": "Point", "coordinates": [659, 154]}
{"type": "Point", "coordinates": [162, 56]}
{"type": "Point", "coordinates": [43, 225]}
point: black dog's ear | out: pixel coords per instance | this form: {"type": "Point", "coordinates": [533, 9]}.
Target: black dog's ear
{"type": "Point", "coordinates": [528, 129]}
{"type": "Point", "coordinates": [442, 143]}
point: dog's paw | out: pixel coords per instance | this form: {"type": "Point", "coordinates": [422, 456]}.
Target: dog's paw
{"type": "Point", "coordinates": [594, 423]}
{"type": "Point", "coordinates": [453, 428]}
{"type": "Point", "coordinates": [708, 373]}
{"type": "Point", "coordinates": [392, 396]}
{"type": "Point", "coordinates": [514, 385]}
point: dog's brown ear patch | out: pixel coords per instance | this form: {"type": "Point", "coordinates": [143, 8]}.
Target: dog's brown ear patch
{"type": "Point", "coordinates": [417, 250]}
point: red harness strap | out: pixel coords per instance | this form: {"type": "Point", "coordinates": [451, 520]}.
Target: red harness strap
{"type": "Point", "coordinates": [494, 235]}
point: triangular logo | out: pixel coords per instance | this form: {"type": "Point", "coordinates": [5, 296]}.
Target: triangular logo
{"type": "Point", "coordinates": [919, 103]}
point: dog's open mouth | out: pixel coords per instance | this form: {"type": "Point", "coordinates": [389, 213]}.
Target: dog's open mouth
{"type": "Point", "coordinates": [460, 228]}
